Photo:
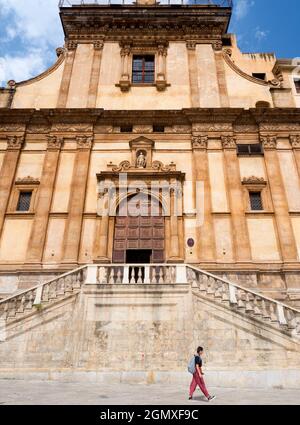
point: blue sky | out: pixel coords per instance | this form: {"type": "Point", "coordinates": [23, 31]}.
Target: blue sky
{"type": "Point", "coordinates": [30, 31]}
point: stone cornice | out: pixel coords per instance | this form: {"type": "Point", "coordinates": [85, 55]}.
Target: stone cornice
{"type": "Point", "coordinates": [202, 23]}
{"type": "Point", "coordinates": [204, 120]}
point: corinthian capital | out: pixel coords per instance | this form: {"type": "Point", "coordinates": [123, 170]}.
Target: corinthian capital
{"type": "Point", "coordinates": [84, 142]}
{"type": "Point", "coordinates": [295, 141]}
{"type": "Point", "coordinates": [199, 142]}
{"type": "Point", "coordinates": [54, 143]}
{"type": "Point", "coordinates": [15, 142]}
{"type": "Point", "coordinates": [269, 142]}
{"type": "Point", "coordinates": [228, 142]}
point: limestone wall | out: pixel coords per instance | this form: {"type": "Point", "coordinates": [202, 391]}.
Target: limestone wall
{"type": "Point", "coordinates": [146, 335]}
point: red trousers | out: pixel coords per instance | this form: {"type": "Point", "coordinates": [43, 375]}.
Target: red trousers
{"type": "Point", "coordinates": [198, 380]}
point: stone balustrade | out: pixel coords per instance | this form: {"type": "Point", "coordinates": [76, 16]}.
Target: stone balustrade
{"type": "Point", "coordinates": [222, 291]}
{"type": "Point", "coordinates": [245, 301]}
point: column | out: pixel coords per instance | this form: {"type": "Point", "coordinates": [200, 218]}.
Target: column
{"type": "Point", "coordinates": [221, 77]}
{"type": "Point", "coordinates": [8, 172]}
{"type": "Point", "coordinates": [77, 200]}
{"type": "Point", "coordinates": [94, 81]}
{"type": "Point", "coordinates": [193, 73]}
{"type": "Point", "coordinates": [174, 233]}
{"type": "Point", "coordinates": [205, 234]}
{"type": "Point", "coordinates": [102, 238]}
{"type": "Point", "coordinates": [45, 194]}
{"type": "Point", "coordinates": [161, 80]}
{"type": "Point", "coordinates": [67, 74]}
{"type": "Point", "coordinates": [283, 221]}
{"type": "Point", "coordinates": [295, 143]}
{"type": "Point", "coordinates": [241, 241]}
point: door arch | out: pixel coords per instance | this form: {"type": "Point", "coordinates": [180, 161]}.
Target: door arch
{"type": "Point", "coordinates": [139, 230]}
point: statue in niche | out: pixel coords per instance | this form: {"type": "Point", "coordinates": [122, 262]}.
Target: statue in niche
{"type": "Point", "coordinates": [141, 161]}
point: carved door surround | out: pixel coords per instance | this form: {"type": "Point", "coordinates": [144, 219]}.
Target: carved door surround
{"type": "Point", "coordinates": [154, 180]}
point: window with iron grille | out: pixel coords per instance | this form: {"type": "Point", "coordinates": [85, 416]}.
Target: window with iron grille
{"type": "Point", "coordinates": [157, 128]}
{"type": "Point", "coordinates": [256, 201]}
{"type": "Point", "coordinates": [251, 149]}
{"type": "Point", "coordinates": [126, 128]}
{"type": "Point", "coordinates": [297, 85]}
{"type": "Point", "coordinates": [24, 201]}
{"type": "Point", "coordinates": [143, 69]}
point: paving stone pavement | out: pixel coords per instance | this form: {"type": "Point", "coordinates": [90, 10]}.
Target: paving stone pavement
{"type": "Point", "coordinates": [62, 393]}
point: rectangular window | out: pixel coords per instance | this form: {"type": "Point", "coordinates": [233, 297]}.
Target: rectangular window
{"type": "Point", "coordinates": [24, 201]}
{"type": "Point", "coordinates": [158, 128]}
{"type": "Point", "coordinates": [251, 149]}
{"type": "Point", "coordinates": [297, 85]}
{"type": "Point", "coordinates": [143, 69]}
{"type": "Point", "coordinates": [126, 128]}
{"type": "Point", "coordinates": [256, 201]}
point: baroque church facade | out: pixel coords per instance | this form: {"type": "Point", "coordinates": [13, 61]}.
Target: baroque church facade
{"type": "Point", "coordinates": [150, 202]}
{"type": "Point", "coordinates": [160, 94]}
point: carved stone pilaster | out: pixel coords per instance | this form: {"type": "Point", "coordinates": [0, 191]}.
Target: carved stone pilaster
{"type": "Point", "coordinates": [84, 142]}
{"type": "Point", "coordinates": [269, 142]}
{"type": "Point", "coordinates": [199, 142]}
{"type": "Point", "coordinates": [15, 142]}
{"type": "Point", "coordinates": [295, 141]}
{"type": "Point", "coordinates": [54, 143]}
{"type": "Point", "coordinates": [228, 142]}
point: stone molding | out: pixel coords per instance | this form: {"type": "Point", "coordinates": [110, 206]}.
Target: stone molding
{"type": "Point", "coordinates": [253, 180]}
{"type": "Point", "coordinates": [295, 141]}
{"type": "Point", "coordinates": [228, 142]}
{"type": "Point", "coordinates": [199, 142]}
{"type": "Point", "coordinates": [27, 181]}
{"type": "Point", "coordinates": [227, 57]}
{"type": "Point", "coordinates": [15, 142]}
{"type": "Point", "coordinates": [269, 142]}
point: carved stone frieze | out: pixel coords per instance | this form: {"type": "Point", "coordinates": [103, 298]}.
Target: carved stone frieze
{"type": "Point", "coordinates": [27, 181]}
{"type": "Point", "coordinates": [212, 127]}
{"type": "Point", "coordinates": [269, 142]}
{"type": "Point", "coordinates": [15, 142]}
{"type": "Point", "coordinates": [199, 142]}
{"type": "Point", "coordinates": [253, 180]}
{"type": "Point", "coordinates": [79, 128]}
{"type": "Point", "coordinates": [142, 129]}
{"type": "Point", "coordinates": [157, 166]}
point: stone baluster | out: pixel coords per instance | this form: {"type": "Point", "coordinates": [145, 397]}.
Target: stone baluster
{"type": "Point", "coordinates": [12, 308]}
{"type": "Point", "coordinates": [119, 277]}
{"type": "Point", "coordinates": [249, 305]}
{"type": "Point", "coordinates": [52, 291]}
{"type": "Point", "coordinates": [102, 275]}
{"type": "Point", "coordinates": [22, 305]}
{"type": "Point", "coordinates": [273, 315]}
{"type": "Point", "coordinates": [45, 297]}
{"type": "Point", "coordinates": [225, 293]}
{"type": "Point", "coordinates": [132, 279]}
{"type": "Point", "coordinates": [211, 286]}
{"type": "Point", "coordinates": [4, 311]}
{"type": "Point", "coordinates": [140, 276]}
{"type": "Point", "coordinates": [291, 319]}
{"type": "Point", "coordinates": [240, 296]}
{"type": "Point", "coordinates": [265, 314]}
{"type": "Point", "coordinates": [218, 291]}
{"type": "Point", "coordinates": [161, 275]}
{"type": "Point", "coordinates": [68, 284]}
{"type": "Point", "coordinates": [153, 278]}
{"type": "Point", "coordinates": [232, 295]}
{"type": "Point", "coordinates": [147, 275]}
{"type": "Point", "coordinates": [281, 316]}
{"type": "Point", "coordinates": [30, 299]}
{"type": "Point", "coordinates": [256, 309]}
{"type": "Point", "coordinates": [61, 287]}
{"type": "Point", "coordinates": [203, 283]}
{"type": "Point", "coordinates": [112, 276]}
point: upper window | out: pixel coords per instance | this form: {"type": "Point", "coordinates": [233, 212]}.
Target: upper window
{"type": "Point", "coordinates": [24, 201]}
{"type": "Point", "coordinates": [251, 149]}
{"type": "Point", "coordinates": [297, 85]}
{"type": "Point", "coordinates": [256, 201]}
{"type": "Point", "coordinates": [143, 69]}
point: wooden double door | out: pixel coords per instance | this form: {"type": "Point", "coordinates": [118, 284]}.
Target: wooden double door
{"type": "Point", "coordinates": [139, 237]}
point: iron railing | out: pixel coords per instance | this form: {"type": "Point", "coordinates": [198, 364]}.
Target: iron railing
{"type": "Point", "coordinates": [218, 3]}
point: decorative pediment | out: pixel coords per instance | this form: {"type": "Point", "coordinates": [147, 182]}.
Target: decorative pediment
{"type": "Point", "coordinates": [27, 181]}
{"type": "Point", "coordinates": [253, 180]}
{"type": "Point", "coordinates": [142, 142]}
{"type": "Point", "coordinates": [156, 166]}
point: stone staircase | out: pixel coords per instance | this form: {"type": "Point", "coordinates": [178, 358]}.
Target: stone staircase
{"type": "Point", "coordinates": [218, 290]}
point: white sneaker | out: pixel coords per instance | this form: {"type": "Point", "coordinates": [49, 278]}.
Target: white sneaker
{"type": "Point", "coordinates": [211, 398]}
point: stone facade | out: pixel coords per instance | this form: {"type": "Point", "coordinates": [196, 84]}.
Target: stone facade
{"type": "Point", "coordinates": [62, 134]}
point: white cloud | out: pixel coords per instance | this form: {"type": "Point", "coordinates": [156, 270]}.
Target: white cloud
{"type": "Point", "coordinates": [260, 34]}
{"type": "Point", "coordinates": [241, 8]}
{"type": "Point", "coordinates": [34, 30]}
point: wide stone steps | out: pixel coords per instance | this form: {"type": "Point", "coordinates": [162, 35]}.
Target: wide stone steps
{"type": "Point", "coordinates": [221, 291]}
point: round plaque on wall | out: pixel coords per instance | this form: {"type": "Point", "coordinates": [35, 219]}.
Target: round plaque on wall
{"type": "Point", "coordinates": [191, 242]}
